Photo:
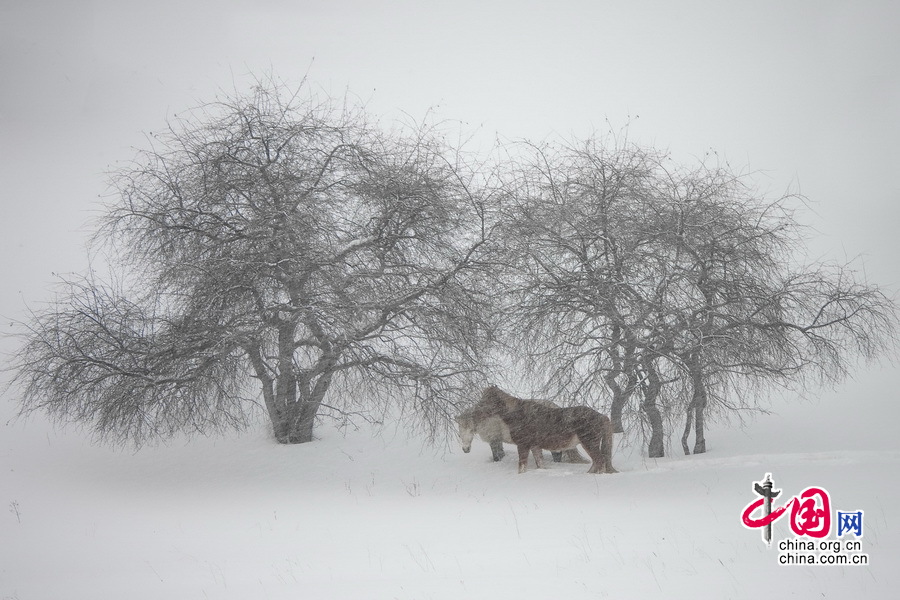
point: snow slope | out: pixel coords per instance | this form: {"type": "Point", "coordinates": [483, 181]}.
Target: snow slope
{"type": "Point", "coordinates": [375, 513]}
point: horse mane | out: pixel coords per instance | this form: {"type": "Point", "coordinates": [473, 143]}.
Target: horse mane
{"type": "Point", "coordinates": [494, 395]}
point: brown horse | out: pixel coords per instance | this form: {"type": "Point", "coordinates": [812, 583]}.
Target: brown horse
{"type": "Point", "coordinates": [533, 425]}
{"type": "Point", "coordinates": [495, 432]}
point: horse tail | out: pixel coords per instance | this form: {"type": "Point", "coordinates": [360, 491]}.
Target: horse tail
{"type": "Point", "coordinates": [606, 442]}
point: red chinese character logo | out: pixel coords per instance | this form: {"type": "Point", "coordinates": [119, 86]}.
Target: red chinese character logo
{"type": "Point", "coordinates": [810, 511]}
{"type": "Point", "coordinates": [749, 521]}
{"type": "Point", "coordinates": [807, 518]}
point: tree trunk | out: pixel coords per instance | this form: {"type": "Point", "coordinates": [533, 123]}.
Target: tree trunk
{"type": "Point", "coordinates": [618, 401]}
{"type": "Point", "coordinates": [621, 365]}
{"type": "Point", "coordinates": [694, 415]}
{"type": "Point", "coordinates": [286, 387]}
{"type": "Point", "coordinates": [292, 407]}
{"type": "Point", "coordinates": [299, 428]}
{"type": "Point", "coordinates": [651, 388]}
{"type": "Point", "coordinates": [700, 436]}
{"type": "Point", "coordinates": [700, 401]}
{"type": "Point", "coordinates": [277, 411]}
{"type": "Point", "coordinates": [294, 423]}
{"type": "Point", "coordinates": [305, 409]}
{"type": "Point", "coordinates": [696, 408]}
{"type": "Point", "coordinates": [688, 422]}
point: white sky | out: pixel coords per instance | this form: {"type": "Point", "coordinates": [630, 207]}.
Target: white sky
{"type": "Point", "coordinates": [807, 92]}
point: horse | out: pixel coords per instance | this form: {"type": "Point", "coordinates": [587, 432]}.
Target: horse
{"type": "Point", "coordinates": [491, 429]}
{"type": "Point", "coordinates": [533, 426]}
{"type": "Point", "coordinates": [495, 432]}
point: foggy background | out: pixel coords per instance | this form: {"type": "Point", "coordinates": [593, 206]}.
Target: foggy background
{"type": "Point", "coordinates": [804, 94]}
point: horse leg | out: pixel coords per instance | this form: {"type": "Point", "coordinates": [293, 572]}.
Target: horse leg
{"type": "Point", "coordinates": [523, 457]}
{"type": "Point", "coordinates": [538, 457]}
{"type": "Point", "coordinates": [598, 462]}
{"type": "Point", "coordinates": [606, 443]}
{"type": "Point", "coordinates": [557, 456]}
{"type": "Point", "coordinates": [497, 450]}
{"type": "Point", "coordinates": [574, 456]}
{"type": "Point", "coordinates": [598, 444]}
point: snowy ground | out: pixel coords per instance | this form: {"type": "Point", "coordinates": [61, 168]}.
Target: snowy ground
{"type": "Point", "coordinates": [375, 514]}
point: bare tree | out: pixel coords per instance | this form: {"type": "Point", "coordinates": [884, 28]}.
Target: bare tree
{"type": "Point", "coordinates": [745, 313]}
{"type": "Point", "coordinates": [633, 277]}
{"type": "Point", "coordinates": [279, 238]}
{"type": "Point", "coordinates": [582, 299]}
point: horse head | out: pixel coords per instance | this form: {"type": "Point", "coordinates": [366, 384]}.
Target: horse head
{"type": "Point", "coordinates": [466, 430]}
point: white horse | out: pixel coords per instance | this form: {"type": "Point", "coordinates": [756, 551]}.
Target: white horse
{"type": "Point", "coordinates": [495, 432]}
